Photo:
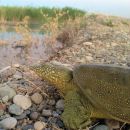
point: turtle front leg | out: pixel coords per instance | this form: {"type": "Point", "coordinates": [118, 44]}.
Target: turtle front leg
{"type": "Point", "coordinates": [75, 114]}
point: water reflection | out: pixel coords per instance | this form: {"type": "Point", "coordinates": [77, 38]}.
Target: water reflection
{"type": "Point", "coordinates": [14, 52]}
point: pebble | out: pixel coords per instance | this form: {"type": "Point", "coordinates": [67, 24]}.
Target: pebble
{"type": "Point", "coordinates": [22, 116]}
{"type": "Point", "coordinates": [15, 109]}
{"type": "Point", "coordinates": [2, 109]}
{"type": "Point", "coordinates": [22, 101]}
{"type": "Point", "coordinates": [51, 102]}
{"type": "Point", "coordinates": [37, 98]}
{"type": "Point", "coordinates": [18, 75]}
{"type": "Point", "coordinates": [7, 92]}
{"type": "Point", "coordinates": [113, 124]}
{"type": "Point", "coordinates": [55, 114]}
{"type": "Point", "coordinates": [1, 112]}
{"type": "Point", "coordinates": [34, 115]}
{"type": "Point", "coordinates": [89, 58]}
{"type": "Point", "coordinates": [8, 123]}
{"type": "Point", "coordinates": [39, 125]}
{"type": "Point", "coordinates": [46, 112]}
{"type": "Point", "coordinates": [28, 127]}
{"type": "Point", "coordinates": [87, 43]}
{"type": "Point", "coordinates": [101, 127]}
{"type": "Point", "coordinates": [60, 104]}
{"type": "Point", "coordinates": [60, 123]}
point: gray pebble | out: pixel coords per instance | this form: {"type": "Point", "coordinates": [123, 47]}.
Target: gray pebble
{"type": "Point", "coordinates": [15, 109]}
{"type": "Point", "coordinates": [7, 91]}
{"type": "Point", "coordinates": [1, 112]}
{"type": "Point", "coordinates": [60, 104]}
{"type": "Point", "coordinates": [28, 127]}
{"type": "Point", "coordinates": [46, 112]}
{"type": "Point", "coordinates": [51, 102]}
{"type": "Point", "coordinates": [60, 123]}
{"type": "Point", "coordinates": [101, 127]}
{"type": "Point", "coordinates": [18, 75]}
{"type": "Point", "coordinates": [55, 114]}
{"type": "Point", "coordinates": [8, 123]}
{"type": "Point", "coordinates": [22, 116]}
{"type": "Point", "coordinates": [34, 115]}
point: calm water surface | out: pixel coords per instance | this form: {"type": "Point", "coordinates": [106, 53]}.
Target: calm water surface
{"type": "Point", "coordinates": [13, 52]}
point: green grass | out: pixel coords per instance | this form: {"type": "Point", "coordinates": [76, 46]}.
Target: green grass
{"type": "Point", "coordinates": [37, 14]}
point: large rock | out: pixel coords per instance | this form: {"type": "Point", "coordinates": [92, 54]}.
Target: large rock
{"type": "Point", "coordinates": [8, 123]}
{"type": "Point", "coordinates": [22, 101]}
{"type": "Point", "coordinates": [7, 92]}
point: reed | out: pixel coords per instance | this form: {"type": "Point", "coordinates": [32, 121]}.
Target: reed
{"type": "Point", "coordinates": [18, 13]}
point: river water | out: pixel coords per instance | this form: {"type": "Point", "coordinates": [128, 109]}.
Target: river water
{"type": "Point", "coordinates": [12, 50]}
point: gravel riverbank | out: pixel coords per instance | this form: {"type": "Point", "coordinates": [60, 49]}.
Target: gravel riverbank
{"type": "Point", "coordinates": [29, 103]}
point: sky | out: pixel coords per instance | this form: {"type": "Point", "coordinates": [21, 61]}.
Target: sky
{"type": "Point", "coordinates": [112, 7]}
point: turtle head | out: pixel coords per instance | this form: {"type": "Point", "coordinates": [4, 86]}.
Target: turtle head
{"type": "Point", "coordinates": [57, 75]}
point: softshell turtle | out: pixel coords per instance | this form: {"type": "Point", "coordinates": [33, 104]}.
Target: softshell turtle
{"type": "Point", "coordinates": [90, 91]}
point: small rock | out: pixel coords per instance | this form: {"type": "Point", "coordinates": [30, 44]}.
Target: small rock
{"type": "Point", "coordinates": [15, 109]}
{"type": "Point", "coordinates": [101, 127]}
{"type": "Point", "coordinates": [37, 98]}
{"type": "Point", "coordinates": [5, 99]}
{"type": "Point", "coordinates": [4, 116]}
{"type": "Point", "coordinates": [34, 115]}
{"type": "Point", "coordinates": [46, 112]}
{"type": "Point", "coordinates": [2, 109]}
{"type": "Point", "coordinates": [60, 123]}
{"type": "Point", "coordinates": [39, 125]}
{"type": "Point", "coordinates": [1, 112]}
{"type": "Point", "coordinates": [55, 114]}
{"type": "Point", "coordinates": [18, 75]}
{"type": "Point", "coordinates": [28, 127]}
{"type": "Point", "coordinates": [89, 58]}
{"type": "Point", "coordinates": [16, 65]}
{"type": "Point", "coordinates": [112, 124]}
{"type": "Point", "coordinates": [22, 116]}
{"type": "Point", "coordinates": [51, 102]}
{"type": "Point", "coordinates": [7, 92]}
{"type": "Point", "coordinates": [22, 101]}
{"type": "Point", "coordinates": [27, 112]}
{"type": "Point", "coordinates": [8, 123]}
{"type": "Point", "coordinates": [60, 104]}
{"type": "Point", "coordinates": [87, 43]}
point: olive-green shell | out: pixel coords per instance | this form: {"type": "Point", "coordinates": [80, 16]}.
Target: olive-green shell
{"type": "Point", "coordinates": [107, 87]}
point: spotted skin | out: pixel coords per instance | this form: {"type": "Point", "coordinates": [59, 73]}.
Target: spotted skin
{"type": "Point", "coordinates": [90, 91]}
{"type": "Point", "coordinates": [107, 87]}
